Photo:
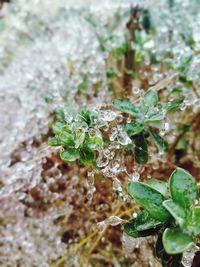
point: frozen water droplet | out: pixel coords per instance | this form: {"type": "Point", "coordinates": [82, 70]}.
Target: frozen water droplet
{"type": "Point", "coordinates": [116, 168]}
{"type": "Point", "coordinates": [188, 256]}
{"type": "Point", "coordinates": [101, 226]}
{"type": "Point", "coordinates": [107, 172]}
{"type": "Point", "coordinates": [114, 134]}
{"type": "Point", "coordinates": [102, 160]}
{"type": "Point", "coordinates": [135, 215]}
{"type": "Point", "coordinates": [113, 220]}
{"type": "Point", "coordinates": [123, 137]}
{"type": "Point", "coordinates": [183, 106]}
{"type": "Point", "coordinates": [166, 126]}
{"type": "Point", "coordinates": [119, 118]}
{"type": "Point", "coordinates": [117, 185]}
{"type": "Point", "coordinates": [89, 195]}
{"type": "Point", "coordinates": [108, 115]}
{"type": "Point", "coordinates": [135, 176]}
{"type": "Point", "coordinates": [74, 180]}
{"type": "Point", "coordinates": [92, 132]}
{"type": "Point", "coordinates": [135, 90]}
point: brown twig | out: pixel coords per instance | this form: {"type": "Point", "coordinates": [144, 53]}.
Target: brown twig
{"type": "Point", "coordinates": [132, 26]}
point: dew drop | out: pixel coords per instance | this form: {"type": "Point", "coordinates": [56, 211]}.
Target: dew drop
{"type": "Point", "coordinates": [135, 90]}
{"type": "Point", "coordinates": [135, 176]}
{"type": "Point", "coordinates": [113, 220]}
{"type": "Point", "coordinates": [188, 256]}
{"type": "Point", "coordinates": [117, 185]}
{"type": "Point", "coordinates": [102, 160]}
{"type": "Point", "coordinates": [101, 226]}
{"type": "Point", "coordinates": [108, 115]}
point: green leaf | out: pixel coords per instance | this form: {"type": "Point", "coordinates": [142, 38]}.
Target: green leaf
{"type": "Point", "coordinates": [127, 107]}
{"type": "Point", "coordinates": [158, 141]}
{"type": "Point", "coordinates": [84, 84]}
{"type": "Point", "coordinates": [54, 142]}
{"type": "Point", "coordinates": [80, 137]}
{"type": "Point", "coordinates": [144, 221]}
{"type": "Point", "coordinates": [176, 211]}
{"type": "Point", "coordinates": [149, 101]}
{"type": "Point", "coordinates": [95, 142]}
{"type": "Point", "coordinates": [138, 37]}
{"type": "Point", "coordinates": [142, 225]}
{"type": "Point", "coordinates": [88, 116]}
{"type": "Point", "coordinates": [87, 156]}
{"type": "Point", "coordinates": [182, 144]}
{"type": "Point", "coordinates": [155, 117]}
{"type": "Point", "coordinates": [129, 229]}
{"type": "Point", "coordinates": [66, 138]}
{"type": "Point", "coordinates": [111, 73]}
{"type": "Point", "coordinates": [194, 222]}
{"type": "Point", "coordinates": [185, 60]}
{"type": "Point", "coordinates": [85, 115]}
{"type": "Point", "coordinates": [146, 20]}
{"type": "Point", "coordinates": [160, 186]}
{"type": "Point", "coordinates": [150, 199]}
{"type": "Point", "coordinates": [69, 154]}
{"type": "Point", "coordinates": [141, 149]}
{"type": "Point", "coordinates": [134, 128]}
{"type": "Point", "coordinates": [166, 259]}
{"type": "Point", "coordinates": [119, 52]}
{"type": "Point", "coordinates": [60, 114]}
{"type": "Point", "coordinates": [57, 127]}
{"type": "Point", "coordinates": [183, 188]}
{"type": "Point", "coordinates": [139, 55]}
{"type": "Point", "coordinates": [155, 124]}
{"type": "Point", "coordinates": [175, 241]}
{"type": "Point", "coordinates": [150, 98]}
{"type": "Point", "coordinates": [173, 106]}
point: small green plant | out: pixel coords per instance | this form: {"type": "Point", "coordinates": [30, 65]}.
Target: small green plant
{"type": "Point", "coordinates": [148, 116]}
{"type": "Point", "coordinates": [83, 136]}
{"type": "Point", "coordinates": [75, 137]}
{"type": "Point", "coordinates": [169, 209]}
{"type": "Point", "coordinates": [117, 143]}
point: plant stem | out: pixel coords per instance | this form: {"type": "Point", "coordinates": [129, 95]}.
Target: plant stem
{"type": "Point", "coordinates": [132, 26]}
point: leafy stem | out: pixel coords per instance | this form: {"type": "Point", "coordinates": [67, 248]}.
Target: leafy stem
{"type": "Point", "coordinates": [170, 209]}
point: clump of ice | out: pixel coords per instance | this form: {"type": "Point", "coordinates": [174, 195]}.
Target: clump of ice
{"type": "Point", "coordinates": [46, 49]}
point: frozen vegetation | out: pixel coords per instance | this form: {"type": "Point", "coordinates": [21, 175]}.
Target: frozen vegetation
{"type": "Point", "coordinates": [58, 55]}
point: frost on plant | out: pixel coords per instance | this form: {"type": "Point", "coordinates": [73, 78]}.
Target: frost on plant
{"type": "Point", "coordinates": [170, 209]}
{"type": "Point", "coordinates": [99, 104]}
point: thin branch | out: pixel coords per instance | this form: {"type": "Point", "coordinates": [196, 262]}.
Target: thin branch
{"type": "Point", "coordinates": [132, 26]}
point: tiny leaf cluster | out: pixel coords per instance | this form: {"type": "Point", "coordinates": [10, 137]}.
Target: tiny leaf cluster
{"type": "Point", "coordinates": [169, 209]}
{"type": "Point", "coordinates": [147, 116]}
{"type": "Point", "coordinates": [76, 141]}
{"type": "Point", "coordinates": [75, 137]}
